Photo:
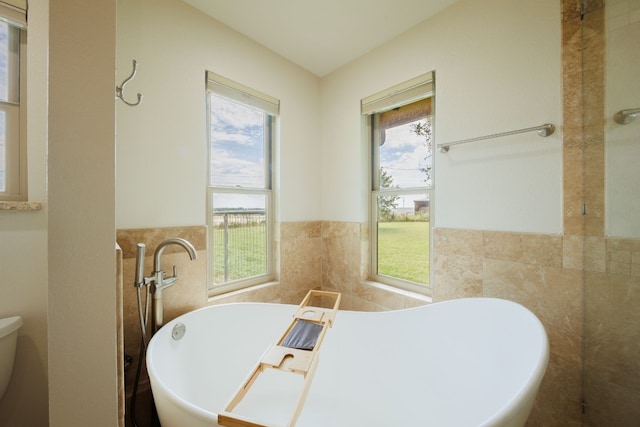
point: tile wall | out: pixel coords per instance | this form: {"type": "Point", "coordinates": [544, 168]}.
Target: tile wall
{"type": "Point", "coordinates": [611, 371]}
{"type": "Point", "coordinates": [612, 322]}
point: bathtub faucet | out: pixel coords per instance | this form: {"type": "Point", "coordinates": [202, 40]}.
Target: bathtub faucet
{"type": "Point", "coordinates": [160, 281]}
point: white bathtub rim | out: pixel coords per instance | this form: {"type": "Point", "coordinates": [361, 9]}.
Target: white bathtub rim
{"type": "Point", "coordinates": [192, 409]}
{"type": "Point", "coordinates": [154, 376]}
{"type": "Point", "coordinates": [527, 392]}
{"type": "Point", "coordinates": [530, 388]}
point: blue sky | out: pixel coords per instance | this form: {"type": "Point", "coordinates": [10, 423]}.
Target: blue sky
{"type": "Point", "coordinates": [237, 150]}
{"type": "Point", "coordinates": [402, 155]}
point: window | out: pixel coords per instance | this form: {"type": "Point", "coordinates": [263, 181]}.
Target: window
{"type": "Point", "coordinates": [13, 176]}
{"type": "Point", "coordinates": [401, 134]}
{"type": "Point", "coordinates": [239, 192]}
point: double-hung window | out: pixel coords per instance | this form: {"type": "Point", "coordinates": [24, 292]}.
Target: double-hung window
{"type": "Point", "coordinates": [13, 42]}
{"type": "Point", "coordinates": [400, 124]}
{"type": "Point", "coordinates": [241, 128]}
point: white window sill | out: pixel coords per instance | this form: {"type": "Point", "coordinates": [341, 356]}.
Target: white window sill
{"type": "Point", "coordinates": [426, 299]}
{"type": "Point", "coordinates": [20, 206]}
{"type": "Point", "coordinates": [269, 290]}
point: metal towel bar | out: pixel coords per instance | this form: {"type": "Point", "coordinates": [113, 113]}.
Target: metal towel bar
{"type": "Point", "coordinates": [542, 130]}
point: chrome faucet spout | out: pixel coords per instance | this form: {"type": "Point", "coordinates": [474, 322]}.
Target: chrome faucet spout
{"type": "Point", "coordinates": [174, 241]}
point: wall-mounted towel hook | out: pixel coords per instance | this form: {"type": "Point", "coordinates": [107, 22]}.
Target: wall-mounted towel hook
{"type": "Point", "coordinates": [120, 88]}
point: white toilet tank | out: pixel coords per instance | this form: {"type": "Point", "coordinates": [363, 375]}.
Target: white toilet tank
{"type": "Point", "coordinates": [8, 339]}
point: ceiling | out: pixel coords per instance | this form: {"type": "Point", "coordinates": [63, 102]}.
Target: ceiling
{"type": "Point", "coordinates": [321, 36]}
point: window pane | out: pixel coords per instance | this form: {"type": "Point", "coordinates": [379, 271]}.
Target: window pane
{"type": "Point", "coordinates": [3, 153]}
{"type": "Point", "coordinates": [9, 109]}
{"type": "Point", "coordinates": [239, 236]}
{"type": "Point", "coordinates": [9, 63]}
{"type": "Point", "coordinates": [237, 152]}
{"type": "Point", "coordinates": [403, 237]}
{"type": "Point", "coordinates": [404, 150]}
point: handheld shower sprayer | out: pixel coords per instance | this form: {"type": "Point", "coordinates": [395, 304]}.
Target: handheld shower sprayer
{"type": "Point", "coordinates": [138, 282]}
{"type": "Point", "coordinates": [139, 279]}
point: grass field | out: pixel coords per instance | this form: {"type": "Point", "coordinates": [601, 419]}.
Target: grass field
{"type": "Point", "coordinates": [403, 251]}
{"type": "Point", "coordinates": [247, 253]}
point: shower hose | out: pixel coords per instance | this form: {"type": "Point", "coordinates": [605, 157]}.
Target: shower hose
{"type": "Point", "coordinates": [143, 315]}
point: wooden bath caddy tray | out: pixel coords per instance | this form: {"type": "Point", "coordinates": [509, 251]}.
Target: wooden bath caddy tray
{"type": "Point", "coordinates": [296, 352]}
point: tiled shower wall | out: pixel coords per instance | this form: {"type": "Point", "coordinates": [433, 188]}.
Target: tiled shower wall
{"type": "Point", "coordinates": [611, 368]}
{"type": "Point", "coordinates": [611, 325]}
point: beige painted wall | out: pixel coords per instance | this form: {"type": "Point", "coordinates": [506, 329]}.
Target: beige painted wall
{"type": "Point", "coordinates": [81, 178]}
{"type": "Point", "coordinates": [23, 248]}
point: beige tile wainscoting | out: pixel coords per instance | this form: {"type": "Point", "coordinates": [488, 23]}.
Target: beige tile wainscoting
{"type": "Point", "coordinates": [611, 325]}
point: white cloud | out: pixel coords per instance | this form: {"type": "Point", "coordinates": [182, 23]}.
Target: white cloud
{"type": "Point", "coordinates": [229, 170]}
{"type": "Point", "coordinates": [402, 156]}
{"type": "Point", "coordinates": [227, 113]}
{"type": "Point", "coordinates": [401, 137]}
{"type": "Point", "coordinates": [240, 138]}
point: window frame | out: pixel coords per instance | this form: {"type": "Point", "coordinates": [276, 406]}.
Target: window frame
{"type": "Point", "coordinates": [16, 189]}
{"type": "Point", "coordinates": [221, 86]}
{"type": "Point", "coordinates": [414, 90]}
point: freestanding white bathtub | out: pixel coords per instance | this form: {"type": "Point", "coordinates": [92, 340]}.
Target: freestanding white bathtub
{"type": "Point", "coordinates": [466, 362]}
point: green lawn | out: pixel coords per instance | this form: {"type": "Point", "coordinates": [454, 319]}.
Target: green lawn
{"type": "Point", "coordinates": [403, 250]}
{"type": "Point", "coordinates": [247, 252]}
